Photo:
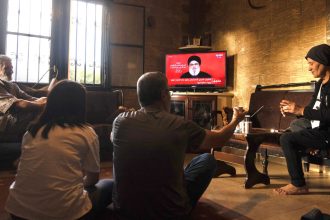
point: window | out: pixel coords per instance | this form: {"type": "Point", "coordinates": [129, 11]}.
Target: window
{"type": "Point", "coordinates": [28, 39]}
{"type": "Point", "coordinates": [85, 42]}
{"type": "Point", "coordinates": [94, 42]}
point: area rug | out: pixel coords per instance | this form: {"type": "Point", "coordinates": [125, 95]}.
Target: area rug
{"type": "Point", "coordinates": [205, 209]}
{"type": "Point", "coordinates": [8, 176]}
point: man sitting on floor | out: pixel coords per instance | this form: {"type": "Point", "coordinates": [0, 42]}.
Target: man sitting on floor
{"type": "Point", "coordinates": [149, 152]}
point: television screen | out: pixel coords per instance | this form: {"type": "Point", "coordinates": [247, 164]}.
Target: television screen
{"type": "Point", "coordinates": [196, 70]}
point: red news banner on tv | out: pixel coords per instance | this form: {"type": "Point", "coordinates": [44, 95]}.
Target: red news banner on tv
{"type": "Point", "coordinates": [212, 69]}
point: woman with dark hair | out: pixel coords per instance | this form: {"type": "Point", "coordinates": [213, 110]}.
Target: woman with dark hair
{"type": "Point", "coordinates": [58, 173]}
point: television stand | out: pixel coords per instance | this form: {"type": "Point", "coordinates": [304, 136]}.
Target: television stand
{"type": "Point", "coordinates": [219, 91]}
{"type": "Point", "coordinates": [199, 106]}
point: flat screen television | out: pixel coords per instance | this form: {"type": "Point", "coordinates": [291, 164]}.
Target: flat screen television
{"type": "Point", "coordinates": [204, 71]}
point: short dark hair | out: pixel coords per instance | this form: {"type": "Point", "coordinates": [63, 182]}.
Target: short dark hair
{"type": "Point", "coordinates": [150, 86]}
{"type": "Point", "coordinates": [66, 107]}
{"type": "Point", "coordinates": [196, 58]}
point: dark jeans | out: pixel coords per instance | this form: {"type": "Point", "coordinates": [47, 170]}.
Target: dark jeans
{"type": "Point", "coordinates": [101, 197]}
{"type": "Point", "coordinates": [9, 152]}
{"type": "Point", "coordinates": [14, 217]}
{"type": "Point", "coordinates": [295, 145]}
{"type": "Point", "coordinates": [198, 175]}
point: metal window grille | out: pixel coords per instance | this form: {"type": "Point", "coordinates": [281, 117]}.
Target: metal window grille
{"type": "Point", "coordinates": [85, 42]}
{"type": "Point", "coordinates": [28, 39]}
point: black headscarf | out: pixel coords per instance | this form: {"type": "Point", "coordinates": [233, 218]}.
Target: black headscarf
{"type": "Point", "coordinates": [196, 58]}
{"type": "Point", "coordinates": [320, 54]}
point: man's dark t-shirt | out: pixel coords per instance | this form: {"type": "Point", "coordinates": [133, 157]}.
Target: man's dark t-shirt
{"type": "Point", "coordinates": [149, 150]}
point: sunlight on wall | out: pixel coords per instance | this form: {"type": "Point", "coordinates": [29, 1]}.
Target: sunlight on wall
{"type": "Point", "coordinates": [269, 45]}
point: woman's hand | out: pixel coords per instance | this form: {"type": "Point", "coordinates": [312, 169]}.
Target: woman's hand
{"type": "Point", "coordinates": [287, 106]}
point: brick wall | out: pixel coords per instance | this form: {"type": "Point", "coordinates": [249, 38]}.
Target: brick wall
{"type": "Point", "coordinates": [268, 45]}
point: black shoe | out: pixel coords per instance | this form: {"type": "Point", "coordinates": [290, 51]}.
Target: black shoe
{"type": "Point", "coordinates": [222, 168]}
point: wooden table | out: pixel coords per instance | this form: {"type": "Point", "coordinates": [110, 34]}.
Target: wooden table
{"type": "Point", "coordinates": [256, 137]}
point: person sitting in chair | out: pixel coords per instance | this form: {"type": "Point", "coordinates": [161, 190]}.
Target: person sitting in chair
{"type": "Point", "coordinates": [313, 129]}
{"type": "Point", "coordinates": [17, 108]}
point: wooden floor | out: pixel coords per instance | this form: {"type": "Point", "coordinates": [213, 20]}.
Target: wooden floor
{"type": "Point", "coordinates": [226, 198]}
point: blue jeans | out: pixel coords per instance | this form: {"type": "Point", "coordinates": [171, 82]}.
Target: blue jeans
{"type": "Point", "coordinates": [198, 175]}
{"type": "Point", "coordinates": [101, 197]}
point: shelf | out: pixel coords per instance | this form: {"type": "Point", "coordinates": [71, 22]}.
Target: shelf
{"type": "Point", "coordinates": [194, 48]}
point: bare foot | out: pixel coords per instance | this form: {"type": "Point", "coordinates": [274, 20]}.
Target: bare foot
{"type": "Point", "coordinates": [291, 190]}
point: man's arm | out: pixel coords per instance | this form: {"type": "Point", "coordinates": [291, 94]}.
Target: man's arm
{"type": "Point", "coordinates": [287, 106]}
{"type": "Point", "coordinates": [220, 137]}
{"type": "Point", "coordinates": [30, 105]}
{"type": "Point", "coordinates": [322, 114]}
{"type": "Point", "coordinates": [30, 93]}
{"type": "Point", "coordinates": [46, 89]}
{"type": "Point", "coordinates": [20, 93]}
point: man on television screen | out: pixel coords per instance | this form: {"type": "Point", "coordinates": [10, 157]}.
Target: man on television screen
{"type": "Point", "coordinates": [194, 63]}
